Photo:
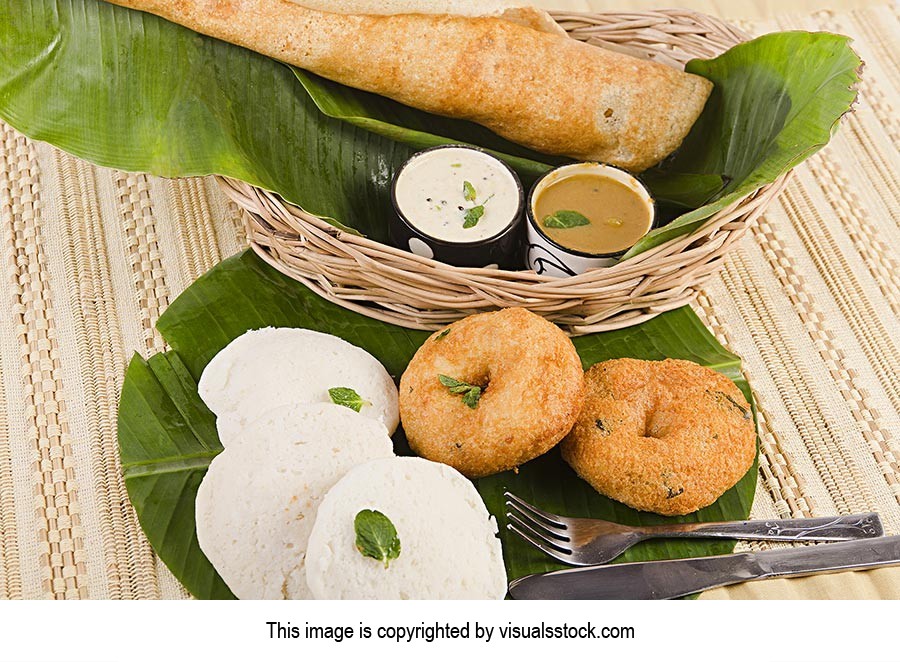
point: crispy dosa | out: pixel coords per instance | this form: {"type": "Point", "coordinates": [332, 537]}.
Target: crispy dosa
{"type": "Point", "coordinates": [545, 91]}
{"type": "Point", "coordinates": [508, 10]}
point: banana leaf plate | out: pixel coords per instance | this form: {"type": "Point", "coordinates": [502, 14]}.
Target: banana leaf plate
{"type": "Point", "coordinates": [167, 436]}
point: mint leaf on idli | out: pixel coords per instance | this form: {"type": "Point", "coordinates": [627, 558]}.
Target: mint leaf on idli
{"type": "Point", "coordinates": [347, 397]}
{"type": "Point", "coordinates": [376, 536]}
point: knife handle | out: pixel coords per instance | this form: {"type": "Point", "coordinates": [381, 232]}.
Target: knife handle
{"type": "Point", "coordinates": [680, 577]}
{"type": "Point", "coordinates": [856, 555]}
{"type": "Point", "coordinates": [834, 528]}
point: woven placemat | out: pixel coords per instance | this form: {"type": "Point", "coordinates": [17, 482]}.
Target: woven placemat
{"type": "Point", "coordinates": [810, 300]}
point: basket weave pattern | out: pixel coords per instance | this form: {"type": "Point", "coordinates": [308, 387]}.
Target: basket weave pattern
{"type": "Point", "coordinates": [415, 292]}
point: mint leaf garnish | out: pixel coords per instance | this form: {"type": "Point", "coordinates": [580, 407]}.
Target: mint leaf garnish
{"type": "Point", "coordinates": [347, 397]}
{"type": "Point", "coordinates": [471, 397]}
{"type": "Point", "coordinates": [471, 394]}
{"type": "Point", "coordinates": [472, 216]}
{"type": "Point", "coordinates": [564, 219]}
{"type": "Point", "coordinates": [376, 536]}
{"type": "Point", "coordinates": [469, 191]}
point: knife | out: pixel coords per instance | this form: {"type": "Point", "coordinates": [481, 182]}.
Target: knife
{"type": "Point", "coordinates": [649, 580]}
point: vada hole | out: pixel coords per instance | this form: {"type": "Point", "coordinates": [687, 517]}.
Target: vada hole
{"type": "Point", "coordinates": [651, 429]}
{"type": "Point", "coordinates": [483, 381]}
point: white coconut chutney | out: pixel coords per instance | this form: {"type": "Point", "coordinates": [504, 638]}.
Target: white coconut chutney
{"type": "Point", "coordinates": [431, 193]}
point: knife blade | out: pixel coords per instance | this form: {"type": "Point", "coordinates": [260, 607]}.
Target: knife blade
{"type": "Point", "coordinates": [679, 577]}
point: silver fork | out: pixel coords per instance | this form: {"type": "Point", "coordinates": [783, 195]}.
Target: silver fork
{"type": "Point", "coordinates": [582, 541]}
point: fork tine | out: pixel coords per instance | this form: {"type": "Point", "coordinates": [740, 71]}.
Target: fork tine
{"type": "Point", "coordinates": [539, 526]}
{"type": "Point", "coordinates": [552, 520]}
{"type": "Point", "coordinates": [562, 545]}
{"type": "Point", "coordinates": [547, 549]}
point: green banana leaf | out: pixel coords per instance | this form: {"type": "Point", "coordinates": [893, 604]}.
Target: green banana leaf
{"type": "Point", "coordinates": [777, 101]}
{"type": "Point", "coordinates": [167, 437]}
{"type": "Point", "coordinates": [417, 128]}
{"type": "Point", "coordinates": [132, 91]}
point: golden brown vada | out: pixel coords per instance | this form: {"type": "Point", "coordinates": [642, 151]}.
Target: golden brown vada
{"type": "Point", "coordinates": [669, 437]}
{"type": "Point", "coordinates": [491, 392]}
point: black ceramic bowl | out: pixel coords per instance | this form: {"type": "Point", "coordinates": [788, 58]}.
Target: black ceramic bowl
{"type": "Point", "coordinates": [502, 249]}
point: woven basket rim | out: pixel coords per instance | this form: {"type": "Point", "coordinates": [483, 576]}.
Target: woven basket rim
{"type": "Point", "coordinates": [234, 188]}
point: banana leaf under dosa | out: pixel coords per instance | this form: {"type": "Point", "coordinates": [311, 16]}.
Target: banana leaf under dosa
{"type": "Point", "coordinates": [540, 89]}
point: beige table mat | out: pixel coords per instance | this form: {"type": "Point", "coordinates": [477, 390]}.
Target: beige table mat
{"type": "Point", "coordinates": [91, 257]}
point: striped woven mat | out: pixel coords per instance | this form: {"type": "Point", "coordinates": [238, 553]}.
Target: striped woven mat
{"type": "Point", "coordinates": [91, 257]}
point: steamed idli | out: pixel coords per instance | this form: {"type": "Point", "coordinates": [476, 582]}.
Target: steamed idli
{"type": "Point", "coordinates": [448, 541]}
{"type": "Point", "coordinates": [257, 503]}
{"type": "Point", "coordinates": [270, 367]}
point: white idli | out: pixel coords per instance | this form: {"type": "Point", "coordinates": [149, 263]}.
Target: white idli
{"type": "Point", "coordinates": [270, 367]}
{"type": "Point", "coordinates": [257, 503]}
{"type": "Point", "coordinates": [448, 543]}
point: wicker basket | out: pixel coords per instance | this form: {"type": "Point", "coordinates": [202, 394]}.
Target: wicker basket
{"type": "Point", "coordinates": [415, 292]}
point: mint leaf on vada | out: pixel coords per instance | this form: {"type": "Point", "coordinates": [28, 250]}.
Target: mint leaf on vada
{"type": "Point", "coordinates": [471, 394]}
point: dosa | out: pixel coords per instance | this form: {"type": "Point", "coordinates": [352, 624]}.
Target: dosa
{"type": "Point", "coordinates": [508, 10]}
{"type": "Point", "coordinates": [536, 88]}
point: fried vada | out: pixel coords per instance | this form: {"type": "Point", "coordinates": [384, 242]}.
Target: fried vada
{"type": "Point", "coordinates": [669, 437]}
{"type": "Point", "coordinates": [491, 392]}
